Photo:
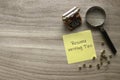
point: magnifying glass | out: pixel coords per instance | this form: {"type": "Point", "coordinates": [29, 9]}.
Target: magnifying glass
{"type": "Point", "coordinates": [95, 18]}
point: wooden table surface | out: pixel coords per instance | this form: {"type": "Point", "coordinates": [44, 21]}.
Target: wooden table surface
{"type": "Point", "coordinates": [31, 44]}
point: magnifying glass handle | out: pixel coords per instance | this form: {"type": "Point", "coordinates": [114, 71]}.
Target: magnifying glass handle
{"type": "Point", "coordinates": [109, 42]}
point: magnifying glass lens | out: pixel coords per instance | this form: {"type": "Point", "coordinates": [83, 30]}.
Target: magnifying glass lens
{"type": "Point", "coordinates": [95, 17]}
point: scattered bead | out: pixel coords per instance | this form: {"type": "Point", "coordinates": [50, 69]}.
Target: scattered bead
{"type": "Point", "coordinates": [98, 66]}
{"type": "Point", "coordinates": [93, 58]}
{"type": "Point", "coordinates": [104, 57]}
{"type": "Point", "coordinates": [102, 52]}
{"type": "Point", "coordinates": [90, 66]}
{"type": "Point", "coordinates": [110, 56]}
{"type": "Point", "coordinates": [80, 68]}
{"type": "Point", "coordinates": [108, 62]}
{"type": "Point", "coordinates": [84, 65]}
{"type": "Point", "coordinates": [102, 43]}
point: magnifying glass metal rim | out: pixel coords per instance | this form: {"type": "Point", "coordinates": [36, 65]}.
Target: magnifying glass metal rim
{"type": "Point", "coordinates": [92, 9]}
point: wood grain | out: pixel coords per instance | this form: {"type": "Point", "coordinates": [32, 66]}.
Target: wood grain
{"type": "Point", "coordinates": [31, 45]}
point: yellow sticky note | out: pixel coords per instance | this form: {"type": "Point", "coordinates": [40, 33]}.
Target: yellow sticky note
{"type": "Point", "coordinates": [79, 46]}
